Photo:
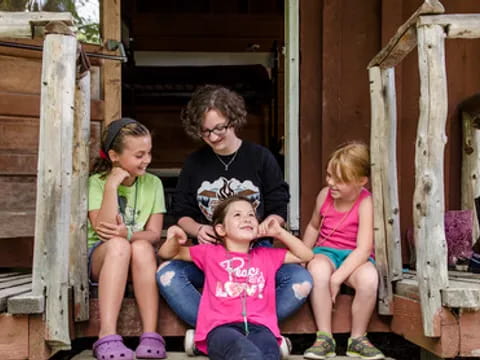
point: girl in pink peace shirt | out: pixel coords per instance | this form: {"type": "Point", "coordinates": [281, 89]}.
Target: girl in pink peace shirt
{"type": "Point", "coordinates": [237, 317]}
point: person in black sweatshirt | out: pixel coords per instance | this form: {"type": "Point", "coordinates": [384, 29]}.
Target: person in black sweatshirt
{"type": "Point", "coordinates": [225, 166]}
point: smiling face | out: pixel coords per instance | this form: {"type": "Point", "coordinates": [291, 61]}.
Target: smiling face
{"type": "Point", "coordinates": [342, 190]}
{"type": "Point", "coordinates": [240, 225]}
{"type": "Point", "coordinates": [135, 156]}
{"type": "Point", "coordinates": [217, 133]}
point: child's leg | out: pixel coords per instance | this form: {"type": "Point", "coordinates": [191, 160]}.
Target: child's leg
{"type": "Point", "coordinates": [293, 284]}
{"type": "Point", "coordinates": [178, 283]}
{"type": "Point", "coordinates": [110, 263]}
{"type": "Point", "coordinates": [365, 282]}
{"type": "Point", "coordinates": [143, 267]}
{"type": "Point", "coordinates": [264, 339]}
{"type": "Point", "coordinates": [321, 269]}
{"type": "Point", "coordinates": [229, 342]}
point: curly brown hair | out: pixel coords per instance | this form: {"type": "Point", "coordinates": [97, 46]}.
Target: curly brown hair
{"type": "Point", "coordinates": [213, 97]}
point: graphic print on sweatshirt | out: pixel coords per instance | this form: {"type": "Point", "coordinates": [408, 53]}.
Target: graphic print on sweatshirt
{"type": "Point", "coordinates": [241, 279]}
{"type": "Point", "coordinates": [209, 194]}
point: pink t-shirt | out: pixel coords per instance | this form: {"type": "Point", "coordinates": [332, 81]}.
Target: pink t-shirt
{"type": "Point", "coordinates": [229, 276]}
{"type": "Point", "coordinates": [339, 229]}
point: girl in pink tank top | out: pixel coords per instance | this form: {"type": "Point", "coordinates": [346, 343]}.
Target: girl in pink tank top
{"type": "Point", "coordinates": [341, 235]}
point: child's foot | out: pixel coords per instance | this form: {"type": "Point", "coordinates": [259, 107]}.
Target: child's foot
{"type": "Point", "coordinates": [189, 344]}
{"type": "Point", "coordinates": [362, 347]}
{"type": "Point", "coordinates": [151, 346]}
{"type": "Point", "coordinates": [285, 347]}
{"type": "Point", "coordinates": [322, 348]}
{"type": "Point", "coordinates": [111, 347]}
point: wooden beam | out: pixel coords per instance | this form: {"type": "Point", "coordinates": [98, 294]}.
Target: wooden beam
{"type": "Point", "coordinates": [79, 207]}
{"type": "Point", "coordinates": [52, 221]}
{"type": "Point", "coordinates": [22, 24]}
{"type": "Point", "coordinates": [405, 38]}
{"type": "Point", "coordinates": [112, 70]}
{"type": "Point", "coordinates": [385, 293]}
{"type": "Point", "coordinates": [27, 303]}
{"type": "Point", "coordinates": [429, 201]}
{"type": "Point", "coordinates": [457, 26]}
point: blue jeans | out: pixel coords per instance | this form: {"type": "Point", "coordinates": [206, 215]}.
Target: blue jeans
{"type": "Point", "coordinates": [230, 342]}
{"type": "Point", "coordinates": [178, 282]}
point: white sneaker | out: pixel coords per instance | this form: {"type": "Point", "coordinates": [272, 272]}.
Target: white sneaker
{"type": "Point", "coordinates": [189, 344]}
{"type": "Point", "coordinates": [285, 347]}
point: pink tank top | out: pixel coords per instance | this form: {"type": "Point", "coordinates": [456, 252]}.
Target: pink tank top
{"type": "Point", "coordinates": [339, 229]}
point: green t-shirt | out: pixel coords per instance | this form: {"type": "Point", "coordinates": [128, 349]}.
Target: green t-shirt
{"type": "Point", "coordinates": [145, 197]}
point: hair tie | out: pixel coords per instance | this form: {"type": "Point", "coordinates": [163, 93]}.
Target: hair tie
{"type": "Point", "coordinates": [112, 131]}
{"type": "Point", "coordinates": [102, 154]}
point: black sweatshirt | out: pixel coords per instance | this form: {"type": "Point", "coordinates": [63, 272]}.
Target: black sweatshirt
{"type": "Point", "coordinates": [253, 173]}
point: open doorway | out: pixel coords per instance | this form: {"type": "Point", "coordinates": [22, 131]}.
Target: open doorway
{"type": "Point", "coordinates": [175, 46]}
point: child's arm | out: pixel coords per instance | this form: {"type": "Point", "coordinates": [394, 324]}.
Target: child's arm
{"type": "Point", "coordinates": [298, 251]}
{"type": "Point", "coordinates": [311, 232]}
{"type": "Point", "coordinates": [364, 247]}
{"type": "Point", "coordinates": [172, 247]}
{"type": "Point", "coordinates": [153, 229]}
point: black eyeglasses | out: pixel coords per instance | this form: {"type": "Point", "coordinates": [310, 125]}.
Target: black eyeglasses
{"type": "Point", "coordinates": [218, 130]}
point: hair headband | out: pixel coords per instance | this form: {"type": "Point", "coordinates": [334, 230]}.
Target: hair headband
{"type": "Point", "coordinates": [113, 129]}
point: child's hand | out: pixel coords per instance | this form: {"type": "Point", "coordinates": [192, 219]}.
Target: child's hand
{"type": "Point", "coordinates": [117, 175]}
{"type": "Point", "coordinates": [334, 287]}
{"type": "Point", "coordinates": [176, 233]}
{"type": "Point", "coordinates": [206, 235]}
{"type": "Point", "coordinates": [106, 231]}
{"type": "Point", "coordinates": [270, 227]}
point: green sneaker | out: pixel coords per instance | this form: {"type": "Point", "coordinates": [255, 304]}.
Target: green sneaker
{"type": "Point", "coordinates": [322, 348]}
{"type": "Point", "coordinates": [362, 347]}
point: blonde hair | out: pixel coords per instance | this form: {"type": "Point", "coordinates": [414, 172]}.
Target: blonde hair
{"type": "Point", "coordinates": [350, 162]}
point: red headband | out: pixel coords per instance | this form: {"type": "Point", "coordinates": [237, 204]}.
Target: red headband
{"type": "Point", "coordinates": [103, 155]}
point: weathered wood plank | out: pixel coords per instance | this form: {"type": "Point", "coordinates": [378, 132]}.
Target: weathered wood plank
{"type": "Point", "coordinates": [20, 105]}
{"type": "Point", "coordinates": [78, 220]}
{"type": "Point", "coordinates": [405, 39]}
{"type": "Point", "coordinates": [50, 269]}
{"type": "Point", "coordinates": [6, 293]}
{"type": "Point", "coordinates": [21, 280]}
{"type": "Point", "coordinates": [6, 275]}
{"type": "Point", "coordinates": [22, 24]}
{"type": "Point", "coordinates": [457, 26]}
{"type": "Point", "coordinates": [378, 119]}
{"type": "Point", "coordinates": [27, 303]}
{"type": "Point", "coordinates": [429, 201]}
{"type": "Point", "coordinates": [13, 337]}
{"type": "Point", "coordinates": [407, 322]}
{"type": "Point", "coordinates": [112, 70]}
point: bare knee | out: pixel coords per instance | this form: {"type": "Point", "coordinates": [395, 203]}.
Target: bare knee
{"type": "Point", "coordinates": [366, 281]}
{"type": "Point", "coordinates": [118, 248]}
{"type": "Point", "coordinates": [321, 269]}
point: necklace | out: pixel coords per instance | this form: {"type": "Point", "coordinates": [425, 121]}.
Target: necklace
{"type": "Point", "coordinates": [226, 165]}
{"type": "Point", "coordinates": [243, 294]}
{"type": "Point", "coordinates": [337, 225]}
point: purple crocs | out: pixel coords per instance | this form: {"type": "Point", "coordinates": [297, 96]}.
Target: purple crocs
{"type": "Point", "coordinates": [111, 347]}
{"type": "Point", "coordinates": [152, 346]}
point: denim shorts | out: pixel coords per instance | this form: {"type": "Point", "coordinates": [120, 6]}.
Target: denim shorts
{"type": "Point", "coordinates": [89, 257]}
{"type": "Point", "coordinates": [336, 256]}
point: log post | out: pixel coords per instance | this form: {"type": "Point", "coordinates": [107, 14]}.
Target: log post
{"type": "Point", "coordinates": [52, 221]}
{"type": "Point", "coordinates": [79, 207]}
{"type": "Point", "coordinates": [385, 183]}
{"type": "Point", "coordinates": [429, 202]}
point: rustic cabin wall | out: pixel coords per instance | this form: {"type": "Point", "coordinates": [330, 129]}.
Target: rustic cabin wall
{"type": "Point", "coordinates": [338, 41]}
{"type": "Point", "coordinates": [19, 127]}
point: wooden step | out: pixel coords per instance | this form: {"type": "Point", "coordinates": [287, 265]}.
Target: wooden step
{"type": "Point", "coordinates": [87, 355]}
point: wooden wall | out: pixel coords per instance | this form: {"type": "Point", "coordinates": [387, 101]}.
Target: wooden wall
{"type": "Point", "coordinates": [337, 41]}
{"type": "Point", "coordinates": [19, 126]}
